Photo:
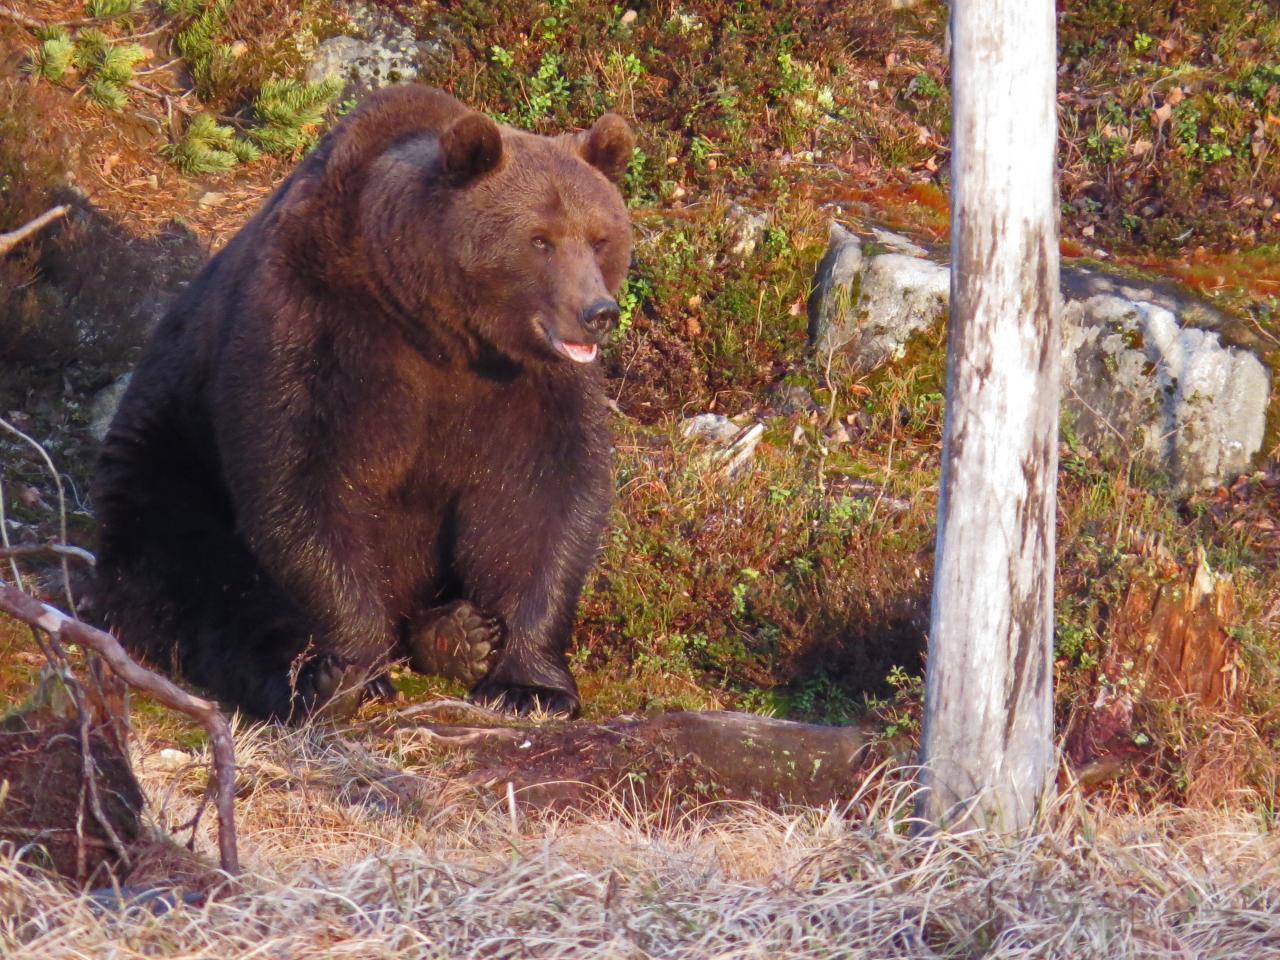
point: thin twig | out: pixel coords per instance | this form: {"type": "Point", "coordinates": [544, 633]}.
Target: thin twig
{"type": "Point", "coordinates": [222, 746]}
{"type": "Point", "coordinates": [433, 707]}
{"type": "Point", "coordinates": [62, 503]}
{"type": "Point", "coordinates": [143, 73]}
{"type": "Point", "coordinates": [175, 100]}
{"type": "Point", "coordinates": [29, 22]}
{"type": "Point", "coordinates": [14, 237]}
{"type": "Point", "coordinates": [47, 550]}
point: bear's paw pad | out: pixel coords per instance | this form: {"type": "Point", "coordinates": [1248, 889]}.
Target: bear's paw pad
{"type": "Point", "coordinates": [456, 641]}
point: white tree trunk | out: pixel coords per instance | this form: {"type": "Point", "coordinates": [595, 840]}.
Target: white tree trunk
{"type": "Point", "coordinates": [987, 748]}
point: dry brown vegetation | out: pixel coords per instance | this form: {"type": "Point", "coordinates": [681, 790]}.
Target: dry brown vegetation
{"type": "Point", "coordinates": [340, 867]}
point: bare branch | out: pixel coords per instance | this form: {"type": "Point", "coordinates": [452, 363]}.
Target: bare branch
{"type": "Point", "coordinates": [60, 550]}
{"type": "Point", "coordinates": [174, 100]}
{"type": "Point", "coordinates": [31, 23]}
{"type": "Point", "coordinates": [62, 504]}
{"type": "Point", "coordinates": [61, 627]}
{"type": "Point", "coordinates": [14, 237]}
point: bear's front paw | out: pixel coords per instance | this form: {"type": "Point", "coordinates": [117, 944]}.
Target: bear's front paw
{"type": "Point", "coordinates": [330, 687]}
{"type": "Point", "coordinates": [456, 641]}
{"type": "Point", "coordinates": [525, 700]}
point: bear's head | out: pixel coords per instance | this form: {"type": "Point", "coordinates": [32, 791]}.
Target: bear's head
{"type": "Point", "coordinates": [524, 240]}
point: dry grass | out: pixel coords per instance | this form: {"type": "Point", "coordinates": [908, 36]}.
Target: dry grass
{"type": "Point", "coordinates": [337, 871]}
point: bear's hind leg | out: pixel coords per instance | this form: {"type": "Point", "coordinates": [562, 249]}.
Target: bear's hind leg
{"type": "Point", "coordinates": [185, 594]}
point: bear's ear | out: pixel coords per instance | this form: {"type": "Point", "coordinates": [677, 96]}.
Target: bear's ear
{"type": "Point", "coordinates": [607, 146]}
{"type": "Point", "coordinates": [471, 146]}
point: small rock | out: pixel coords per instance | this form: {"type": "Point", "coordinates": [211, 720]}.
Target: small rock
{"type": "Point", "coordinates": [867, 307]}
{"type": "Point", "coordinates": [103, 406]}
{"type": "Point", "coordinates": [1144, 369]}
{"type": "Point", "coordinates": [746, 230]}
{"type": "Point", "coordinates": [898, 243]}
{"type": "Point", "coordinates": [737, 457]}
{"type": "Point", "coordinates": [791, 398]}
{"type": "Point", "coordinates": [1135, 380]}
{"type": "Point", "coordinates": [238, 49]}
{"type": "Point", "coordinates": [211, 198]}
{"type": "Point", "coordinates": [339, 57]}
{"type": "Point", "coordinates": [738, 443]}
{"type": "Point", "coordinates": [384, 51]}
{"type": "Point", "coordinates": [710, 426]}
{"type": "Point", "coordinates": [169, 760]}
{"type": "Point", "coordinates": [629, 18]}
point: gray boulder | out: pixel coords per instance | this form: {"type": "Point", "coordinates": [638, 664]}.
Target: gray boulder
{"type": "Point", "coordinates": [1136, 382]}
{"type": "Point", "coordinates": [1145, 375]}
{"type": "Point", "coordinates": [867, 307]}
{"type": "Point", "coordinates": [381, 51]}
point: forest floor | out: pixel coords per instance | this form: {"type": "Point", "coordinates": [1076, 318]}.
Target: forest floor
{"type": "Point", "coordinates": [799, 588]}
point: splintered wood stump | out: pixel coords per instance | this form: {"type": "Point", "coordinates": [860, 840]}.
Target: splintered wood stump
{"type": "Point", "coordinates": [673, 760]}
{"type": "Point", "coordinates": [1172, 636]}
{"type": "Point", "coordinates": [45, 801]}
{"type": "Point", "coordinates": [1171, 639]}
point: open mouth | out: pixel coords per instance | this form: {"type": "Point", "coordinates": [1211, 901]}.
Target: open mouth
{"type": "Point", "coordinates": [577, 352]}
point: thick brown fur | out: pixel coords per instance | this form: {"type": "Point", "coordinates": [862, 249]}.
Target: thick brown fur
{"type": "Point", "coordinates": [363, 410]}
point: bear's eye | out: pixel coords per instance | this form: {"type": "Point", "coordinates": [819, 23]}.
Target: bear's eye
{"type": "Point", "coordinates": [599, 245]}
{"type": "Point", "coordinates": [542, 243]}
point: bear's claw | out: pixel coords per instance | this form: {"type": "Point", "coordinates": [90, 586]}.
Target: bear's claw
{"type": "Point", "coordinates": [456, 641]}
{"type": "Point", "coordinates": [521, 700]}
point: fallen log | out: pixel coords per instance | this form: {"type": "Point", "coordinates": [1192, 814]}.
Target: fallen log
{"type": "Point", "coordinates": [682, 757]}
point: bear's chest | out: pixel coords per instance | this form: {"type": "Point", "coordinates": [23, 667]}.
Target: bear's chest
{"type": "Point", "coordinates": [460, 432]}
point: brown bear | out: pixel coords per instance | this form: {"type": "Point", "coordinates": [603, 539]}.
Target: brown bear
{"type": "Point", "coordinates": [373, 427]}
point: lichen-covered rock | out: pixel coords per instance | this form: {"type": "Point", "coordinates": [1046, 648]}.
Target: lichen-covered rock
{"type": "Point", "coordinates": [102, 409]}
{"type": "Point", "coordinates": [380, 52]}
{"type": "Point", "coordinates": [866, 307]}
{"type": "Point", "coordinates": [746, 229]}
{"type": "Point", "coordinates": [1136, 382]}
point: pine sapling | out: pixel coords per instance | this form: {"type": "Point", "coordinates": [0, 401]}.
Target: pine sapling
{"type": "Point", "coordinates": [208, 147]}
{"type": "Point", "coordinates": [290, 113]}
{"type": "Point", "coordinates": [109, 9]}
{"type": "Point", "coordinates": [53, 57]}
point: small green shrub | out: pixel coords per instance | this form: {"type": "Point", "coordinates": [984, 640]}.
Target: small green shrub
{"type": "Point", "coordinates": [207, 147]}
{"type": "Point", "coordinates": [290, 112]}
{"type": "Point", "coordinates": [54, 56]}
{"type": "Point", "coordinates": [109, 9]}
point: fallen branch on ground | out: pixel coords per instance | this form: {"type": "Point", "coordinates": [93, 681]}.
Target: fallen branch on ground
{"type": "Point", "coordinates": [223, 781]}
{"type": "Point", "coordinates": [14, 237]}
{"type": "Point", "coordinates": [58, 550]}
{"type": "Point", "coordinates": [31, 23]}
{"type": "Point", "coordinates": [703, 756]}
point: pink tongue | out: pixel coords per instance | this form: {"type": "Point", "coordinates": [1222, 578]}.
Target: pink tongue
{"type": "Point", "coordinates": [581, 352]}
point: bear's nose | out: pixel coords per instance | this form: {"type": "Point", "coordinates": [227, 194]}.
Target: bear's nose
{"type": "Point", "coordinates": [600, 317]}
